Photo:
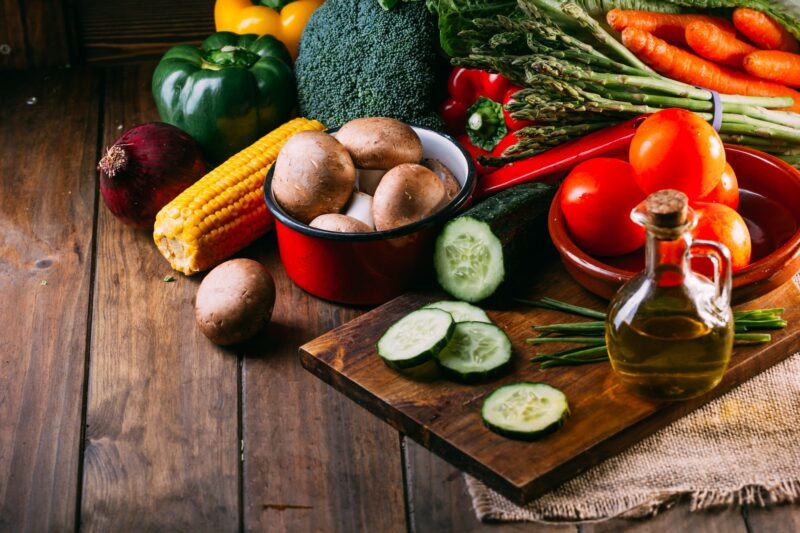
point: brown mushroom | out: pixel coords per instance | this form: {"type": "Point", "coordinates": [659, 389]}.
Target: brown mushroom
{"type": "Point", "coordinates": [234, 301]}
{"type": "Point", "coordinates": [379, 143]}
{"type": "Point", "coordinates": [406, 194]}
{"type": "Point", "coordinates": [314, 175]}
{"type": "Point", "coordinates": [339, 223]}
{"type": "Point", "coordinates": [451, 184]}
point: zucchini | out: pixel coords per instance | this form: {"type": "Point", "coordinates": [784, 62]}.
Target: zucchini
{"type": "Point", "coordinates": [416, 338]}
{"type": "Point", "coordinates": [477, 352]}
{"type": "Point", "coordinates": [525, 410]}
{"type": "Point", "coordinates": [461, 311]}
{"type": "Point", "coordinates": [478, 250]}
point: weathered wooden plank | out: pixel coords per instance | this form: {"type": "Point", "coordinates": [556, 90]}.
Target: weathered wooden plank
{"type": "Point", "coordinates": [445, 416]}
{"type": "Point", "coordinates": [13, 50]}
{"type": "Point", "coordinates": [161, 426]}
{"type": "Point", "coordinates": [677, 519]}
{"type": "Point", "coordinates": [313, 460]}
{"type": "Point", "coordinates": [780, 519]}
{"type": "Point", "coordinates": [439, 501]}
{"type": "Point", "coordinates": [46, 224]}
{"type": "Point", "coordinates": [49, 32]}
{"type": "Point", "coordinates": [124, 30]}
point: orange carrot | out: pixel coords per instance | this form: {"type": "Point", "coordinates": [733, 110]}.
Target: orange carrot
{"type": "Point", "coordinates": [667, 26]}
{"type": "Point", "coordinates": [684, 66]}
{"type": "Point", "coordinates": [708, 41]}
{"type": "Point", "coordinates": [763, 31]}
{"type": "Point", "coordinates": [774, 65]}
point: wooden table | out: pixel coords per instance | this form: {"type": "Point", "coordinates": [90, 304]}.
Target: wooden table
{"type": "Point", "coordinates": [117, 414]}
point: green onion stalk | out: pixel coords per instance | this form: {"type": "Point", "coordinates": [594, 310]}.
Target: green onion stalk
{"type": "Point", "coordinates": [573, 86]}
{"type": "Point", "coordinates": [590, 335]}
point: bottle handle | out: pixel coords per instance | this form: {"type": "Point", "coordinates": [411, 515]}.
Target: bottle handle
{"type": "Point", "coordinates": [720, 257]}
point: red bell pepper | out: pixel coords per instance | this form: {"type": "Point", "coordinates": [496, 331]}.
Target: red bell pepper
{"type": "Point", "coordinates": [554, 163]}
{"type": "Point", "coordinates": [475, 152]}
{"type": "Point", "coordinates": [512, 123]}
{"type": "Point", "coordinates": [475, 102]}
{"type": "Point", "coordinates": [464, 87]}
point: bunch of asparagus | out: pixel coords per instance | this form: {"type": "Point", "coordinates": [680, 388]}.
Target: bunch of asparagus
{"type": "Point", "coordinates": [590, 336]}
{"type": "Point", "coordinates": [573, 88]}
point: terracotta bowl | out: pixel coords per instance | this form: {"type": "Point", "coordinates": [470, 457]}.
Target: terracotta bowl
{"type": "Point", "coordinates": [770, 205]}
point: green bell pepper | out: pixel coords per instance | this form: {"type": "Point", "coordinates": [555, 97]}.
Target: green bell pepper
{"type": "Point", "coordinates": [227, 93]}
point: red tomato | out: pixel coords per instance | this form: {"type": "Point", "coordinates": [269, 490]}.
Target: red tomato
{"type": "Point", "coordinates": [726, 192]}
{"type": "Point", "coordinates": [720, 223]}
{"type": "Point", "coordinates": [597, 198]}
{"type": "Point", "coordinates": [676, 149]}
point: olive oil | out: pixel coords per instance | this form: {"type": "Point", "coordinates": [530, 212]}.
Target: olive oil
{"type": "Point", "coordinates": [670, 357]}
{"type": "Point", "coordinates": [669, 331]}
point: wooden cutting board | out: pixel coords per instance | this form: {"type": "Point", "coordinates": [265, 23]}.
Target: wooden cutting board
{"type": "Point", "coordinates": [445, 417]}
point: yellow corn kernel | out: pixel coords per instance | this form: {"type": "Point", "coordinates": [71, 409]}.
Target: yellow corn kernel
{"type": "Point", "coordinates": [225, 210]}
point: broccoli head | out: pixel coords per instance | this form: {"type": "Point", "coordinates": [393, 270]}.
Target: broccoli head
{"type": "Point", "coordinates": [358, 60]}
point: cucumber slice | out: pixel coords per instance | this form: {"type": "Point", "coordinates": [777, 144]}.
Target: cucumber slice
{"type": "Point", "coordinates": [461, 311]}
{"type": "Point", "coordinates": [469, 259]}
{"type": "Point", "coordinates": [416, 338]}
{"type": "Point", "coordinates": [525, 410]}
{"type": "Point", "coordinates": [477, 351]}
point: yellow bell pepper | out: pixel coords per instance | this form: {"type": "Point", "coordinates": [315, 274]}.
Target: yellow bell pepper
{"type": "Point", "coordinates": [242, 16]}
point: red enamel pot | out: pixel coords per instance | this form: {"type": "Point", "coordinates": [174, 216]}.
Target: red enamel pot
{"type": "Point", "coordinates": [370, 268]}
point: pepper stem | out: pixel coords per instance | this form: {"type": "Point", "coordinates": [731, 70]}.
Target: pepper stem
{"type": "Point", "coordinates": [486, 124]}
{"type": "Point", "coordinates": [229, 56]}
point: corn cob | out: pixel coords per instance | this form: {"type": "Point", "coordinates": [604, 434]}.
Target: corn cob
{"type": "Point", "coordinates": [225, 210]}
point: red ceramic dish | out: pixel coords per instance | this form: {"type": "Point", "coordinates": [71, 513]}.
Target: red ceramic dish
{"type": "Point", "coordinates": [370, 268]}
{"type": "Point", "coordinates": [770, 204]}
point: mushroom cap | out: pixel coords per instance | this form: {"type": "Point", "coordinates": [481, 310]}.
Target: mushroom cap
{"type": "Point", "coordinates": [340, 223]}
{"type": "Point", "coordinates": [234, 301]}
{"type": "Point", "coordinates": [314, 175]}
{"type": "Point", "coordinates": [406, 194]}
{"type": "Point", "coordinates": [451, 184]}
{"type": "Point", "coordinates": [380, 143]}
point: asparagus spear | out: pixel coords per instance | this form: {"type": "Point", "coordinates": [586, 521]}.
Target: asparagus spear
{"type": "Point", "coordinates": [569, 82]}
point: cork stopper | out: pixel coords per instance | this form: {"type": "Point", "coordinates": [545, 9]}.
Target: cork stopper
{"type": "Point", "coordinates": [667, 208]}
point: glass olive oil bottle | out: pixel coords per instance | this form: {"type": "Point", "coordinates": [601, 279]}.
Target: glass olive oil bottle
{"type": "Point", "coordinates": [669, 330]}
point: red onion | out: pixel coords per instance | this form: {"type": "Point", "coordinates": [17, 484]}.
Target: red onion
{"type": "Point", "coordinates": [146, 168]}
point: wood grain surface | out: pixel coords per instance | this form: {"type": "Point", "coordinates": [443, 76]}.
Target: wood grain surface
{"type": "Point", "coordinates": [126, 30]}
{"type": "Point", "coordinates": [46, 221]}
{"type": "Point", "coordinates": [162, 451]}
{"type": "Point", "coordinates": [13, 49]}
{"type": "Point", "coordinates": [166, 411]}
{"type": "Point", "coordinates": [445, 416]}
{"type": "Point", "coordinates": [438, 496]}
{"type": "Point", "coordinates": [313, 460]}
{"type": "Point", "coordinates": [49, 32]}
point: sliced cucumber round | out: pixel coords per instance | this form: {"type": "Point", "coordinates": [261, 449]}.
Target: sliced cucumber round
{"type": "Point", "coordinates": [477, 351]}
{"type": "Point", "coordinates": [469, 259]}
{"type": "Point", "coordinates": [461, 311]}
{"type": "Point", "coordinates": [525, 410]}
{"type": "Point", "coordinates": [416, 338]}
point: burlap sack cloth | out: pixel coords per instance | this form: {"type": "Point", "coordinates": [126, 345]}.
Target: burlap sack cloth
{"type": "Point", "coordinates": [742, 448]}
